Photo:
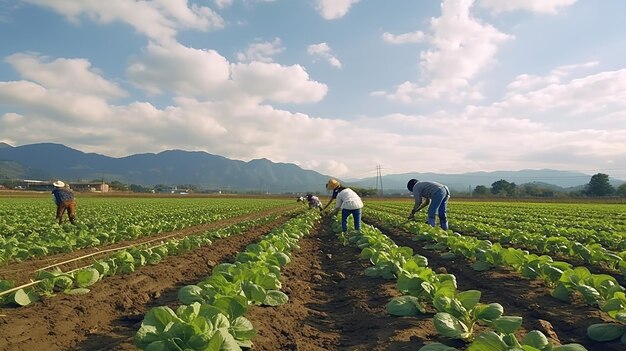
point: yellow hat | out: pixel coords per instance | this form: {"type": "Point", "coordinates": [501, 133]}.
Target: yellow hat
{"type": "Point", "coordinates": [332, 184]}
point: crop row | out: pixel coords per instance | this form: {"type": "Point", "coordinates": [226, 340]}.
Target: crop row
{"type": "Point", "coordinates": [211, 316]}
{"type": "Point", "coordinates": [456, 312]}
{"type": "Point", "coordinates": [565, 281]}
{"type": "Point", "coordinates": [546, 242]}
{"type": "Point", "coordinates": [585, 223]}
{"type": "Point", "coordinates": [77, 281]}
{"type": "Point", "coordinates": [27, 226]}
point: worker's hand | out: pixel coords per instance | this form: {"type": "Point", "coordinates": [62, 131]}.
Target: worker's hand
{"type": "Point", "coordinates": [411, 217]}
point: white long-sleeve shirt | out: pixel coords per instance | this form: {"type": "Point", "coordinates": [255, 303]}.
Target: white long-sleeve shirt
{"type": "Point", "coordinates": [347, 199]}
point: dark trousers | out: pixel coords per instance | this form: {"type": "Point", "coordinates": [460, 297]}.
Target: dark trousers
{"type": "Point", "coordinates": [70, 207]}
{"type": "Point", "coordinates": [356, 215]}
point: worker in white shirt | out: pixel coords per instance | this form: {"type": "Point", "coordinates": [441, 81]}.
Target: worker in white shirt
{"type": "Point", "coordinates": [348, 202]}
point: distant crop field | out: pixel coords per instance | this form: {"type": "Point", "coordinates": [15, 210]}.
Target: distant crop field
{"type": "Point", "coordinates": [210, 273]}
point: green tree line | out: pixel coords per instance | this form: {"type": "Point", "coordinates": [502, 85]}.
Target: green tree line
{"type": "Point", "coordinates": [598, 186]}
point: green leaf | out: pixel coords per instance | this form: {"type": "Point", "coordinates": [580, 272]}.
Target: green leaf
{"type": "Point", "coordinates": [405, 306]}
{"type": "Point", "coordinates": [223, 341]}
{"type": "Point", "coordinates": [254, 292]}
{"type": "Point", "coordinates": [507, 324]}
{"type": "Point", "coordinates": [469, 298]}
{"type": "Point", "coordinates": [191, 293]}
{"type": "Point", "coordinates": [488, 312]}
{"type": "Point", "coordinates": [605, 331]}
{"type": "Point", "coordinates": [63, 282]}
{"type": "Point", "coordinates": [23, 298]}
{"type": "Point", "coordinates": [78, 291]}
{"type": "Point", "coordinates": [86, 277]}
{"type": "Point", "coordinates": [448, 256]}
{"type": "Point", "coordinates": [282, 258]}
{"type": "Point", "coordinates": [481, 266]}
{"type": "Point", "coordinates": [561, 292]}
{"type": "Point", "coordinates": [232, 306]}
{"type": "Point", "coordinates": [242, 329]}
{"type": "Point", "coordinates": [487, 341]}
{"type": "Point", "coordinates": [447, 325]}
{"type": "Point", "coordinates": [102, 267]}
{"type": "Point", "coordinates": [437, 347]}
{"type": "Point", "coordinates": [590, 294]}
{"type": "Point", "coordinates": [275, 298]}
{"type": "Point", "coordinates": [535, 339]}
{"type": "Point", "coordinates": [160, 317]}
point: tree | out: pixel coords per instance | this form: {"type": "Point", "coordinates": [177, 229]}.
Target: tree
{"type": "Point", "coordinates": [599, 185]}
{"type": "Point", "coordinates": [480, 190]}
{"type": "Point", "coordinates": [117, 185]}
{"type": "Point", "coordinates": [621, 190]}
{"type": "Point", "coordinates": [502, 187]}
{"type": "Point", "coordinates": [139, 189]}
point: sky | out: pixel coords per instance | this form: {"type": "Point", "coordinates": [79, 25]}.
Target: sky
{"type": "Point", "coordinates": [341, 87]}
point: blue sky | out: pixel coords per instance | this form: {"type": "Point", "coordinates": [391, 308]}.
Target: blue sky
{"type": "Point", "coordinates": [337, 86]}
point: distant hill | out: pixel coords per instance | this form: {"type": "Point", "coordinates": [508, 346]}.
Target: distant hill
{"type": "Point", "coordinates": [172, 167]}
{"type": "Point", "coordinates": [48, 161]}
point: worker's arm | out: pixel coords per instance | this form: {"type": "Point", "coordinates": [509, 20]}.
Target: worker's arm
{"type": "Point", "coordinates": [419, 204]}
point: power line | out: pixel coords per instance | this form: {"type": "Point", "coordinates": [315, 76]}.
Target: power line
{"type": "Point", "coordinates": [379, 179]}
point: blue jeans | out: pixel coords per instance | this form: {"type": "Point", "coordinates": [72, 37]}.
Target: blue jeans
{"type": "Point", "coordinates": [438, 205]}
{"type": "Point", "coordinates": [356, 216]}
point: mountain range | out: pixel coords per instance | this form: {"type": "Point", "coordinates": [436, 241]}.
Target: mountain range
{"type": "Point", "coordinates": [47, 161]}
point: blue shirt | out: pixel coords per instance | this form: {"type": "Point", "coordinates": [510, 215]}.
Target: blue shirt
{"type": "Point", "coordinates": [425, 189]}
{"type": "Point", "coordinates": [62, 195]}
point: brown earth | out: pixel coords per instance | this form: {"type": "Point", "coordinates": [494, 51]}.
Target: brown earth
{"type": "Point", "coordinates": [333, 305]}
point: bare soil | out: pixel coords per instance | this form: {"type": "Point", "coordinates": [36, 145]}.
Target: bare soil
{"type": "Point", "coordinates": [333, 305]}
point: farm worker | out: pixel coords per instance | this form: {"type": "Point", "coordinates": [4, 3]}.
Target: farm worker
{"type": "Point", "coordinates": [64, 199]}
{"type": "Point", "coordinates": [348, 201]}
{"type": "Point", "coordinates": [436, 197]}
{"type": "Point", "coordinates": [314, 201]}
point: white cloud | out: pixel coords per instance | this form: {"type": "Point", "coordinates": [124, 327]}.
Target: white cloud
{"type": "Point", "coordinates": [593, 95]}
{"type": "Point", "coordinates": [52, 104]}
{"type": "Point", "coordinates": [261, 51]}
{"type": "Point", "coordinates": [72, 75]}
{"type": "Point", "coordinates": [223, 3]}
{"type": "Point", "coordinates": [540, 6]}
{"type": "Point", "coordinates": [159, 20]}
{"type": "Point", "coordinates": [412, 37]}
{"type": "Point", "coordinates": [205, 73]}
{"type": "Point", "coordinates": [324, 51]}
{"type": "Point", "coordinates": [334, 9]}
{"type": "Point", "coordinates": [273, 82]}
{"type": "Point", "coordinates": [177, 68]}
{"type": "Point", "coordinates": [526, 82]}
{"type": "Point", "coordinates": [462, 47]}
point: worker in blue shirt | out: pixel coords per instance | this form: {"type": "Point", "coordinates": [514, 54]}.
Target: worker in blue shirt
{"type": "Point", "coordinates": [435, 196]}
{"type": "Point", "coordinates": [65, 201]}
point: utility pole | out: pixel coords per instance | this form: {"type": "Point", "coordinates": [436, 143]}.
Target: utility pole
{"type": "Point", "coordinates": [379, 179]}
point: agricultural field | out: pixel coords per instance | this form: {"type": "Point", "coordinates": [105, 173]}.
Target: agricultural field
{"type": "Point", "coordinates": [267, 273]}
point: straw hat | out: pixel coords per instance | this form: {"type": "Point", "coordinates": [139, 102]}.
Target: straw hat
{"type": "Point", "coordinates": [332, 184]}
{"type": "Point", "coordinates": [59, 184]}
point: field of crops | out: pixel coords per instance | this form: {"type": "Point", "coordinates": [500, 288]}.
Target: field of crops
{"type": "Point", "coordinates": [229, 273]}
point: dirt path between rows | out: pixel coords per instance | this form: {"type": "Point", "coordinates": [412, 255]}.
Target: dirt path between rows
{"type": "Point", "coordinates": [334, 306]}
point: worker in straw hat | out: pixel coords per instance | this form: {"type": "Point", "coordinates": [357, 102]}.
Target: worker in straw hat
{"type": "Point", "coordinates": [65, 201]}
{"type": "Point", "coordinates": [347, 201]}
